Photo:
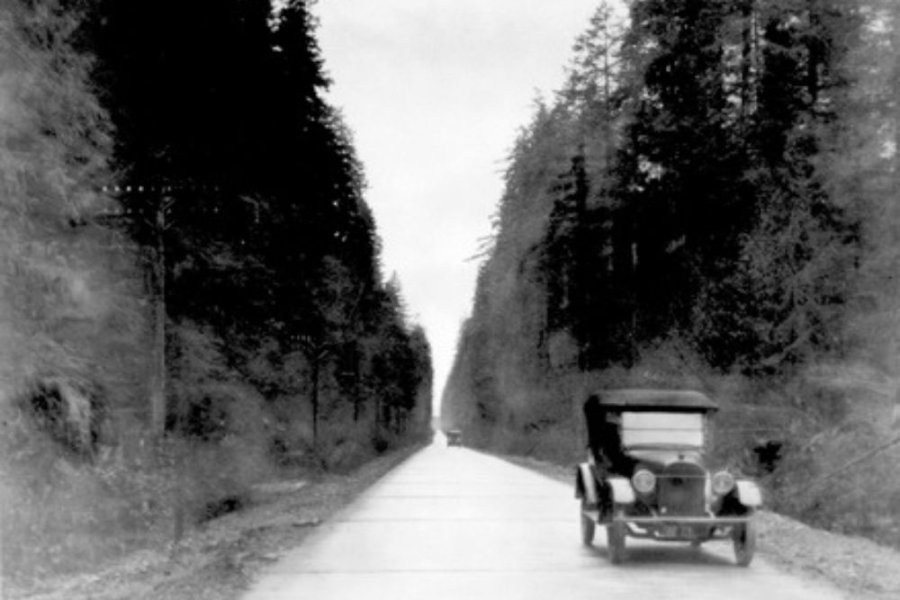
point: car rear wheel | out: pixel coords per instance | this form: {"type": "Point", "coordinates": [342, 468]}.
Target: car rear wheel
{"type": "Point", "coordinates": [587, 526]}
{"type": "Point", "coordinates": [744, 538]}
{"type": "Point", "coordinates": [615, 540]}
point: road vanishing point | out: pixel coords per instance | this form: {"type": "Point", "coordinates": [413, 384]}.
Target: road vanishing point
{"type": "Point", "coordinates": [452, 523]}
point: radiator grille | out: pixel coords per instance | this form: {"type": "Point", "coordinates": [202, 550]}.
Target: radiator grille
{"type": "Point", "coordinates": [682, 490]}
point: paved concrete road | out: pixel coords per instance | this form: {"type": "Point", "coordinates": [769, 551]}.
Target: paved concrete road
{"type": "Point", "coordinates": [452, 523]}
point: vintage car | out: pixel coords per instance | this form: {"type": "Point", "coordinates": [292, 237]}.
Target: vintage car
{"type": "Point", "coordinates": [454, 437]}
{"type": "Point", "coordinates": [646, 475]}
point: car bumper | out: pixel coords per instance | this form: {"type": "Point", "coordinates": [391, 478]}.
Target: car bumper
{"type": "Point", "coordinates": [707, 521]}
{"type": "Point", "coordinates": [675, 528]}
{"type": "Point", "coordinates": [685, 529]}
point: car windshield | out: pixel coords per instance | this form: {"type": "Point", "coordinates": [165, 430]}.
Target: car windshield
{"type": "Point", "coordinates": [662, 430]}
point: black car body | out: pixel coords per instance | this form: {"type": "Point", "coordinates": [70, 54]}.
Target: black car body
{"type": "Point", "coordinates": [646, 474]}
{"type": "Point", "coordinates": [454, 437]}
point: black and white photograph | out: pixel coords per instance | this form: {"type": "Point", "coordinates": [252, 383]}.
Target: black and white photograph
{"type": "Point", "coordinates": [449, 299]}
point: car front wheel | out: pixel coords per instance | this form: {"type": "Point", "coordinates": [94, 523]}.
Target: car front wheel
{"type": "Point", "coordinates": [744, 538]}
{"type": "Point", "coordinates": [615, 540]}
{"type": "Point", "coordinates": [587, 526]}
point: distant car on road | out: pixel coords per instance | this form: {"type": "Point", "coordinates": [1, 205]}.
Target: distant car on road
{"type": "Point", "coordinates": [646, 474]}
{"type": "Point", "coordinates": [454, 437]}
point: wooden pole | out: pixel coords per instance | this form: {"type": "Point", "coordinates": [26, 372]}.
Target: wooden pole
{"type": "Point", "coordinates": [158, 383]}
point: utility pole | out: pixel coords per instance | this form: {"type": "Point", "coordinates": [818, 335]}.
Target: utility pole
{"type": "Point", "coordinates": [158, 382]}
{"type": "Point", "coordinates": [159, 224]}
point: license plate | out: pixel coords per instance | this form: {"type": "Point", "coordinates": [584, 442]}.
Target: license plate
{"type": "Point", "coordinates": [669, 531]}
{"type": "Point", "coordinates": [674, 531]}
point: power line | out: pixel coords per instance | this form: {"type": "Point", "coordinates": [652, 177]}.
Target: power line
{"type": "Point", "coordinates": [810, 486]}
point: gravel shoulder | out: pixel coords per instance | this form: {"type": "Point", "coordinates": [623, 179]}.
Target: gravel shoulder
{"type": "Point", "coordinates": [219, 560]}
{"type": "Point", "coordinates": [861, 568]}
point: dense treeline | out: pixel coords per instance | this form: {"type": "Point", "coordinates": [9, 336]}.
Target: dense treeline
{"type": "Point", "coordinates": [710, 201]}
{"type": "Point", "coordinates": [192, 295]}
{"type": "Point", "coordinates": [252, 190]}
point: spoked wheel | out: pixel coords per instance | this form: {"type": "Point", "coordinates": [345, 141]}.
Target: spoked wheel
{"type": "Point", "coordinates": [587, 526]}
{"type": "Point", "coordinates": [744, 538]}
{"type": "Point", "coordinates": [615, 540]}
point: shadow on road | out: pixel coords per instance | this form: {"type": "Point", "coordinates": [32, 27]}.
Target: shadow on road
{"type": "Point", "coordinates": [681, 554]}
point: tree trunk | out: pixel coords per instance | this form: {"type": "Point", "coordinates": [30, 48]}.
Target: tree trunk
{"type": "Point", "coordinates": [748, 56]}
{"type": "Point", "coordinates": [582, 297]}
{"type": "Point", "coordinates": [315, 399]}
{"type": "Point", "coordinates": [816, 54]}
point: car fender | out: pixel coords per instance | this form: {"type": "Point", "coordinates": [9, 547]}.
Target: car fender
{"type": "Point", "coordinates": [585, 484]}
{"type": "Point", "coordinates": [748, 493]}
{"type": "Point", "coordinates": [622, 492]}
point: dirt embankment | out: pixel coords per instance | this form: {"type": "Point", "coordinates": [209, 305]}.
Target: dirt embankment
{"type": "Point", "coordinates": [218, 560]}
{"type": "Point", "coordinates": [863, 569]}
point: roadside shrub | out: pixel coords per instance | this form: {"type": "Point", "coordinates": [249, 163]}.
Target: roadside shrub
{"type": "Point", "coordinates": [63, 514]}
{"type": "Point", "coordinates": [215, 478]}
{"type": "Point", "coordinates": [71, 413]}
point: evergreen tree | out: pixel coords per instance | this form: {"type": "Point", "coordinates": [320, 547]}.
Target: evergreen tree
{"type": "Point", "coordinates": [798, 264]}
{"type": "Point", "coordinates": [249, 201]}
{"type": "Point", "coordinates": [686, 185]}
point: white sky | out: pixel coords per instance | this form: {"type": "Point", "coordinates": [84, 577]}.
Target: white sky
{"type": "Point", "coordinates": [435, 92]}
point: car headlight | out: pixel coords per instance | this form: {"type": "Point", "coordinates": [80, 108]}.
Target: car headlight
{"type": "Point", "coordinates": [722, 483]}
{"type": "Point", "coordinates": [643, 481]}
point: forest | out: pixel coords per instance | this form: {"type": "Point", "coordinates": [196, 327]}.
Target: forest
{"type": "Point", "coordinates": [192, 298]}
{"type": "Point", "coordinates": [709, 202]}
